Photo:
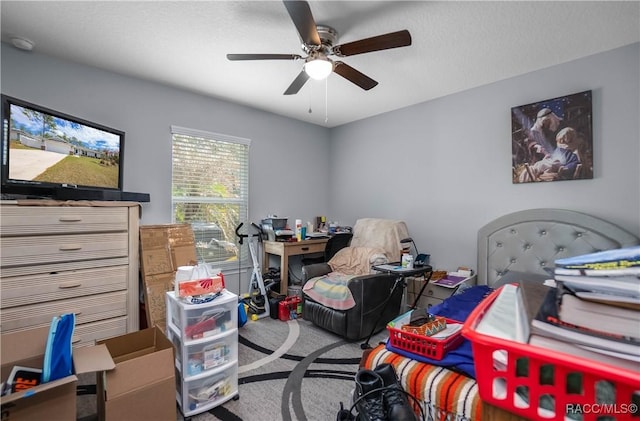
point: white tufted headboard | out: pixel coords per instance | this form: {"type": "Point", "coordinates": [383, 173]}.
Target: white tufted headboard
{"type": "Point", "coordinates": [530, 241]}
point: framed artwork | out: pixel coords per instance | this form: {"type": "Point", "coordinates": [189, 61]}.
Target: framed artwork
{"type": "Point", "coordinates": [552, 140]}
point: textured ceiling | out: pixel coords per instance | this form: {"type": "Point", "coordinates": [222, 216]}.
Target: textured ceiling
{"type": "Point", "coordinates": [456, 45]}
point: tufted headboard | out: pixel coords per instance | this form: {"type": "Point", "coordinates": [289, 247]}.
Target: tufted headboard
{"type": "Point", "coordinates": [530, 241]}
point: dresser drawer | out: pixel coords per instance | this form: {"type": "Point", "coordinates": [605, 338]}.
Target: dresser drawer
{"type": "Point", "coordinates": [433, 291]}
{"type": "Point", "coordinates": [8, 272]}
{"type": "Point", "coordinates": [31, 289]}
{"type": "Point", "coordinates": [88, 333]}
{"type": "Point", "coordinates": [20, 251]}
{"type": "Point", "coordinates": [39, 220]}
{"type": "Point", "coordinates": [88, 309]}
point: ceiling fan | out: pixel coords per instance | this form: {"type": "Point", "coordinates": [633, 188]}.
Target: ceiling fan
{"type": "Point", "coordinates": [318, 44]}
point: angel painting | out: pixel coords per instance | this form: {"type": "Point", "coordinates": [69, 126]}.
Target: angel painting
{"type": "Point", "coordinates": [552, 140]}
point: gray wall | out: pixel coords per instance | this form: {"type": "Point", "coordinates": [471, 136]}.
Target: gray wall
{"type": "Point", "coordinates": [450, 171]}
{"type": "Point", "coordinates": [443, 166]}
{"type": "Point", "coordinates": [145, 111]}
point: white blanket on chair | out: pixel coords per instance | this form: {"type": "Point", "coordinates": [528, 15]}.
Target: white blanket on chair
{"type": "Point", "coordinates": [380, 233]}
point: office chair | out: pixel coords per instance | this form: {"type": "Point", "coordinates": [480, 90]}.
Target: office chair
{"type": "Point", "coordinates": [334, 244]}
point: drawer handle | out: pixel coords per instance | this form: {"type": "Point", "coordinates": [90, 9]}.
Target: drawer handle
{"type": "Point", "coordinates": [70, 285]}
{"type": "Point", "coordinates": [430, 292]}
{"type": "Point", "coordinates": [305, 248]}
{"type": "Point", "coordinates": [70, 219]}
{"type": "Point", "coordinates": [70, 247]}
{"type": "Point", "coordinates": [75, 340]}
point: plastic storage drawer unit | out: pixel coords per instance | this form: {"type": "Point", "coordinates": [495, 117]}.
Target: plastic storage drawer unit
{"type": "Point", "coordinates": [196, 321]}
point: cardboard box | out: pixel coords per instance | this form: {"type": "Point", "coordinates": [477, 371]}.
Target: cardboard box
{"type": "Point", "coordinates": [52, 400]}
{"type": "Point", "coordinates": [142, 384]}
{"type": "Point", "coordinates": [155, 287]}
{"type": "Point", "coordinates": [183, 245]}
{"type": "Point", "coordinates": [163, 248]}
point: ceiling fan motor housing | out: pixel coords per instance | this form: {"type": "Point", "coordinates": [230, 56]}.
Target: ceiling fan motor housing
{"type": "Point", "coordinates": [328, 38]}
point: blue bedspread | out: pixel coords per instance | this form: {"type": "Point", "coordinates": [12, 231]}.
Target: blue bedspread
{"type": "Point", "coordinates": [457, 307]}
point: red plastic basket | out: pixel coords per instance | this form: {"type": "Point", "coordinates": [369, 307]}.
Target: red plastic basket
{"type": "Point", "coordinates": [566, 370]}
{"type": "Point", "coordinates": [424, 346]}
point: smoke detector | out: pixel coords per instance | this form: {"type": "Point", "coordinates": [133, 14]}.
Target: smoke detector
{"type": "Point", "coordinates": [22, 43]}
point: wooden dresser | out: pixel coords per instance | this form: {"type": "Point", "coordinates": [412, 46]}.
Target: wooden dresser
{"type": "Point", "coordinates": [62, 257]}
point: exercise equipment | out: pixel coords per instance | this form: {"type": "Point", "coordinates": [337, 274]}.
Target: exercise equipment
{"type": "Point", "coordinates": [258, 301]}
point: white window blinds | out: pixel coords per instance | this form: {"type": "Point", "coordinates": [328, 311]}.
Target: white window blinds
{"type": "Point", "coordinates": [210, 191]}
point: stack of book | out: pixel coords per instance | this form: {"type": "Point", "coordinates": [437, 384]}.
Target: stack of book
{"type": "Point", "coordinates": [594, 310]}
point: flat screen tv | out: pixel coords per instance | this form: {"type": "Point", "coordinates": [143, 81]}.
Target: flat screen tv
{"type": "Point", "coordinates": [49, 154]}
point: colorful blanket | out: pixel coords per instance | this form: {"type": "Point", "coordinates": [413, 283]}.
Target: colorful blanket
{"type": "Point", "coordinates": [331, 290]}
{"type": "Point", "coordinates": [443, 394]}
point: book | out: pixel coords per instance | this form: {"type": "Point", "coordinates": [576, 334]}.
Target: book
{"type": "Point", "coordinates": [23, 378]}
{"type": "Point", "coordinates": [607, 260]}
{"type": "Point", "coordinates": [597, 316]}
{"type": "Point", "coordinates": [450, 281]}
{"type": "Point", "coordinates": [499, 320]}
{"type": "Point", "coordinates": [628, 362]}
{"type": "Point", "coordinates": [611, 299]}
{"type": "Point", "coordinates": [633, 271]}
{"type": "Point", "coordinates": [619, 285]}
{"type": "Point", "coordinates": [547, 323]}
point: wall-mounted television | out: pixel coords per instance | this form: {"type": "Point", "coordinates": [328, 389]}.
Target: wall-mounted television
{"type": "Point", "coordinates": [49, 154]}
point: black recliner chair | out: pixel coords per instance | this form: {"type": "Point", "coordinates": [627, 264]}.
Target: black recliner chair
{"type": "Point", "coordinates": [369, 291]}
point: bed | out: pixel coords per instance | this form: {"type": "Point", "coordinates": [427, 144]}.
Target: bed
{"type": "Point", "coordinates": [513, 248]}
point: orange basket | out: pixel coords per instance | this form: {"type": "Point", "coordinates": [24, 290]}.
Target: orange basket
{"type": "Point", "coordinates": [424, 346]}
{"type": "Point", "coordinates": [528, 368]}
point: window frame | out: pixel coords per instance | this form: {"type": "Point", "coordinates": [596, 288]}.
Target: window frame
{"type": "Point", "coordinates": [242, 202]}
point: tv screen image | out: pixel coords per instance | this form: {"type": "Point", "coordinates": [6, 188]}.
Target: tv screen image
{"type": "Point", "coordinates": [48, 149]}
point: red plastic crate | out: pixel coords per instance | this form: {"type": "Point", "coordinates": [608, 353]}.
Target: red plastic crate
{"type": "Point", "coordinates": [567, 369]}
{"type": "Point", "coordinates": [424, 346]}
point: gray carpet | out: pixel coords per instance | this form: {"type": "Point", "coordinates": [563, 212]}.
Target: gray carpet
{"type": "Point", "coordinates": [291, 371]}
{"type": "Point", "coordinates": [287, 371]}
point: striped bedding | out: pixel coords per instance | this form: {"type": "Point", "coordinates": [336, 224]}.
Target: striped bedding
{"type": "Point", "coordinates": [444, 394]}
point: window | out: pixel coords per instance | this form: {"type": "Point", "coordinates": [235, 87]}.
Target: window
{"type": "Point", "coordinates": [210, 191]}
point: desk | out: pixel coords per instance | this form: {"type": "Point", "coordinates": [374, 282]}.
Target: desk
{"type": "Point", "coordinates": [284, 249]}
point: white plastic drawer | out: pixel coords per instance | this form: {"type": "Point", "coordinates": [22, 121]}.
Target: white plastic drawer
{"type": "Point", "coordinates": [204, 354]}
{"type": "Point", "coordinates": [196, 321]}
{"type": "Point", "coordinates": [203, 393]}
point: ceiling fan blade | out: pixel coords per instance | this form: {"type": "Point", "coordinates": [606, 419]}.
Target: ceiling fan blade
{"type": "Point", "coordinates": [297, 84]}
{"type": "Point", "coordinates": [302, 18]}
{"type": "Point", "coordinates": [354, 76]}
{"type": "Point", "coordinates": [380, 42]}
{"type": "Point", "coordinates": [234, 57]}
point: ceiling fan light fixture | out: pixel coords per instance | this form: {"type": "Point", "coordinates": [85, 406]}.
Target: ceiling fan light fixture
{"type": "Point", "coordinates": [319, 68]}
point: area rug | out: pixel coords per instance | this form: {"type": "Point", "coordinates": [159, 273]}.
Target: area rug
{"type": "Point", "coordinates": [291, 371]}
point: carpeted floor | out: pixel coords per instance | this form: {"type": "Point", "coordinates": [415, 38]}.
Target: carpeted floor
{"type": "Point", "coordinates": [287, 371]}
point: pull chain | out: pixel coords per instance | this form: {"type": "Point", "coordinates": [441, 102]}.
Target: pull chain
{"type": "Point", "coordinates": [326, 100]}
{"type": "Point", "coordinates": [310, 97]}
